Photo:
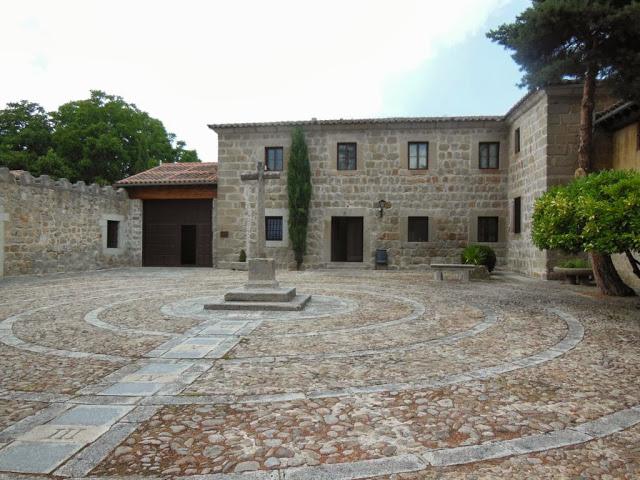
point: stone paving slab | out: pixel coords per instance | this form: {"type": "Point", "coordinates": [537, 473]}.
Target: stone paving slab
{"type": "Point", "coordinates": [35, 457]}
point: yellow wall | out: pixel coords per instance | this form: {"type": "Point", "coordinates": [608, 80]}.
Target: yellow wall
{"type": "Point", "coordinates": [626, 155]}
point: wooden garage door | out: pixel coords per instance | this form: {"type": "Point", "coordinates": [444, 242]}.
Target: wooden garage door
{"type": "Point", "coordinates": [163, 232]}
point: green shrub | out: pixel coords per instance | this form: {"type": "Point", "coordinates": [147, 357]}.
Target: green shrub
{"type": "Point", "coordinates": [574, 263]}
{"type": "Point", "coordinates": [243, 256]}
{"type": "Point", "coordinates": [479, 255]}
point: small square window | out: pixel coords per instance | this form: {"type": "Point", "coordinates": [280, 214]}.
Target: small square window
{"type": "Point", "coordinates": [418, 155]}
{"type": "Point", "coordinates": [489, 153]}
{"type": "Point", "coordinates": [347, 156]}
{"type": "Point", "coordinates": [487, 229]}
{"type": "Point", "coordinates": [273, 158]}
{"type": "Point", "coordinates": [517, 215]}
{"type": "Point", "coordinates": [273, 229]}
{"type": "Point", "coordinates": [516, 140]}
{"type": "Point", "coordinates": [112, 233]}
{"type": "Point", "coordinates": [418, 229]}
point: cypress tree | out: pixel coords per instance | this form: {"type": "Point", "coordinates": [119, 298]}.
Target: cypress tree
{"type": "Point", "coordinates": [299, 193]}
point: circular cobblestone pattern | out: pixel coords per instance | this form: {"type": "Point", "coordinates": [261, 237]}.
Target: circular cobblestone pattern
{"type": "Point", "coordinates": [384, 375]}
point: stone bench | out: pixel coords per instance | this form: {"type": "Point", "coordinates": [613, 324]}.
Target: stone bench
{"type": "Point", "coordinates": [463, 269]}
{"type": "Point", "coordinates": [575, 275]}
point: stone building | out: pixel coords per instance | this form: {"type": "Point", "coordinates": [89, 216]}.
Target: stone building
{"type": "Point", "coordinates": [442, 183]}
{"type": "Point", "coordinates": [422, 188]}
{"type": "Point", "coordinates": [164, 216]}
{"type": "Point", "coordinates": [177, 205]}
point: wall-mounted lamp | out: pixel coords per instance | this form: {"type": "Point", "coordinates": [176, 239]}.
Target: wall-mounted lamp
{"type": "Point", "coordinates": [382, 204]}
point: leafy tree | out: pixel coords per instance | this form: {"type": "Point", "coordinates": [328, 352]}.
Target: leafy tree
{"type": "Point", "coordinates": [299, 193]}
{"type": "Point", "coordinates": [183, 155]}
{"type": "Point", "coordinates": [101, 139]}
{"type": "Point", "coordinates": [596, 213]}
{"type": "Point", "coordinates": [25, 135]}
{"type": "Point", "coordinates": [579, 40]}
{"type": "Point", "coordinates": [105, 139]}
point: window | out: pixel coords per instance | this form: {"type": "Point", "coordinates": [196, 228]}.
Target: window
{"type": "Point", "coordinates": [487, 229]}
{"type": "Point", "coordinates": [489, 153]}
{"type": "Point", "coordinates": [347, 159]}
{"type": "Point", "coordinates": [273, 158]}
{"type": "Point", "coordinates": [418, 155]}
{"type": "Point", "coordinates": [112, 233]}
{"type": "Point", "coordinates": [638, 136]}
{"type": "Point", "coordinates": [418, 229]}
{"type": "Point", "coordinates": [516, 141]}
{"type": "Point", "coordinates": [517, 215]}
{"type": "Point", "coordinates": [273, 229]}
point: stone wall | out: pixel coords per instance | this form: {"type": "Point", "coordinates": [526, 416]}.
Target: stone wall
{"type": "Point", "coordinates": [453, 192]}
{"type": "Point", "coordinates": [527, 179]}
{"type": "Point", "coordinates": [51, 226]}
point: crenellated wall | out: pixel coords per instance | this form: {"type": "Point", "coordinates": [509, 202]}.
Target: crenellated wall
{"type": "Point", "coordinates": [49, 226]}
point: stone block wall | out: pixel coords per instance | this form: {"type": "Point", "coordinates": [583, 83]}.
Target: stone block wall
{"type": "Point", "coordinates": [453, 192]}
{"type": "Point", "coordinates": [527, 179]}
{"type": "Point", "coordinates": [51, 226]}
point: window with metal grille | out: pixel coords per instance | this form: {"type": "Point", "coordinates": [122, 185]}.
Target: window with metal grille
{"type": "Point", "coordinates": [489, 153]}
{"type": "Point", "coordinates": [418, 155]}
{"type": "Point", "coordinates": [516, 141]}
{"type": "Point", "coordinates": [273, 228]}
{"type": "Point", "coordinates": [487, 229]}
{"type": "Point", "coordinates": [112, 233]}
{"type": "Point", "coordinates": [273, 158]}
{"type": "Point", "coordinates": [347, 156]}
{"type": "Point", "coordinates": [517, 215]}
{"type": "Point", "coordinates": [418, 229]}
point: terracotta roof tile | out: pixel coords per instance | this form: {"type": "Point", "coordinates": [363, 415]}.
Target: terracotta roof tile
{"type": "Point", "coordinates": [359, 121]}
{"type": "Point", "coordinates": [205, 173]}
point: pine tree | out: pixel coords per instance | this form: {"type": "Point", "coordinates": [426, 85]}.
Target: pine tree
{"type": "Point", "coordinates": [589, 41]}
{"type": "Point", "coordinates": [299, 193]}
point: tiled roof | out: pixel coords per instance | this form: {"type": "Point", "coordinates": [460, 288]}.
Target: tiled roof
{"type": "Point", "coordinates": [359, 121]}
{"type": "Point", "coordinates": [205, 173]}
{"type": "Point", "coordinates": [617, 114]}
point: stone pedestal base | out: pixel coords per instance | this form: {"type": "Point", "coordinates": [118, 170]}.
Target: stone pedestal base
{"type": "Point", "coordinates": [262, 273]}
{"type": "Point", "coordinates": [261, 292]}
{"type": "Point", "coordinates": [296, 304]}
{"type": "Point", "coordinates": [248, 294]}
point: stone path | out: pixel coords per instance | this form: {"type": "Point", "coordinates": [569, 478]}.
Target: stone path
{"type": "Point", "coordinates": [384, 375]}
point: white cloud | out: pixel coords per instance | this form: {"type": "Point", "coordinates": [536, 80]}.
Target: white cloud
{"type": "Point", "coordinates": [190, 63]}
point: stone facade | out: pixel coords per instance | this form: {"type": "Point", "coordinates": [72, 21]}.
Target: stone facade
{"type": "Point", "coordinates": [453, 192]}
{"type": "Point", "coordinates": [51, 226]}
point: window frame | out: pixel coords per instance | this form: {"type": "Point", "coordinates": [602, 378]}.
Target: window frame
{"type": "Point", "coordinates": [517, 215]}
{"type": "Point", "coordinates": [266, 158]}
{"type": "Point", "coordinates": [266, 228]}
{"type": "Point", "coordinates": [417, 144]}
{"type": "Point", "coordinates": [482, 230]}
{"type": "Point", "coordinates": [113, 234]}
{"type": "Point", "coordinates": [516, 140]}
{"type": "Point", "coordinates": [488, 146]}
{"type": "Point", "coordinates": [421, 218]}
{"type": "Point", "coordinates": [355, 159]}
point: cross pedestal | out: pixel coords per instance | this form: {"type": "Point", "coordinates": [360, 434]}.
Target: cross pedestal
{"type": "Point", "coordinates": [262, 291]}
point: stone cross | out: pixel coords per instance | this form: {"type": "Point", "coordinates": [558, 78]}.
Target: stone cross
{"type": "Point", "coordinates": [260, 176]}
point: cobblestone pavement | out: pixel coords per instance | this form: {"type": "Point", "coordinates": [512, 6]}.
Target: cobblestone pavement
{"type": "Point", "coordinates": [384, 375]}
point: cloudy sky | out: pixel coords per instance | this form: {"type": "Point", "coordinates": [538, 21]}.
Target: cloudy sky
{"type": "Point", "coordinates": [191, 62]}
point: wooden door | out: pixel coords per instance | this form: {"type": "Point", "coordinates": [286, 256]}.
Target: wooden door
{"type": "Point", "coordinates": [163, 222]}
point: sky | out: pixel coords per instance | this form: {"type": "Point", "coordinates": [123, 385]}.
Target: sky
{"type": "Point", "coordinates": [190, 63]}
